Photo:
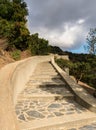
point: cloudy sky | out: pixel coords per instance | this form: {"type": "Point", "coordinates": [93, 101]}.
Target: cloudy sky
{"type": "Point", "coordinates": [64, 23]}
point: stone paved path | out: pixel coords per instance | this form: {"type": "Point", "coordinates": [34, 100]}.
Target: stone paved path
{"type": "Point", "coordinates": [91, 126]}
{"type": "Point", "coordinates": [46, 96]}
{"type": "Point", "coordinates": [31, 110]}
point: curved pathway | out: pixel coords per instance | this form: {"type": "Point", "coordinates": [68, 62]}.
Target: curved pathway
{"type": "Point", "coordinates": [47, 104]}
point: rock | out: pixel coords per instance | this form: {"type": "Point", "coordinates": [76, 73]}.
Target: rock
{"type": "Point", "coordinates": [35, 114]}
{"type": "Point", "coordinates": [21, 117]}
{"type": "Point", "coordinates": [58, 114]}
{"type": "Point", "coordinates": [55, 106]}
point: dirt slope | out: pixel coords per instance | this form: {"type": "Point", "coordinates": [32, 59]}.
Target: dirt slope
{"type": "Point", "coordinates": [5, 58]}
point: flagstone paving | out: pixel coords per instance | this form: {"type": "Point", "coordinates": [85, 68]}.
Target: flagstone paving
{"type": "Point", "coordinates": [91, 126]}
{"type": "Point", "coordinates": [31, 110]}
{"type": "Point", "coordinates": [46, 96]}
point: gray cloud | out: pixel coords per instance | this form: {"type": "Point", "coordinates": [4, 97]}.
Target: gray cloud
{"type": "Point", "coordinates": [63, 22]}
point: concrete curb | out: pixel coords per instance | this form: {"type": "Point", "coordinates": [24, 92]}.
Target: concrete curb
{"type": "Point", "coordinates": [81, 95]}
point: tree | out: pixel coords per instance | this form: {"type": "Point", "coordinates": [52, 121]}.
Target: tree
{"type": "Point", "coordinates": [19, 11]}
{"type": "Point", "coordinates": [79, 70]}
{"type": "Point", "coordinates": [13, 23]}
{"type": "Point", "coordinates": [38, 46]}
{"type": "Point", "coordinates": [64, 63]}
{"type": "Point", "coordinates": [6, 9]}
{"type": "Point", "coordinates": [4, 28]}
{"type": "Point", "coordinates": [18, 37]}
{"type": "Point", "coordinates": [43, 46]}
{"type": "Point", "coordinates": [91, 40]}
{"type": "Point", "coordinates": [33, 43]}
{"type": "Point", "coordinates": [55, 50]}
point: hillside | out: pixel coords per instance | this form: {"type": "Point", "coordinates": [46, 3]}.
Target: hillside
{"type": "Point", "coordinates": [81, 66]}
{"type": "Point", "coordinates": [5, 58]}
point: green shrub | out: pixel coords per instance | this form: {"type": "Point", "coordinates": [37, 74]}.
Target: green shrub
{"type": "Point", "coordinates": [82, 71]}
{"type": "Point", "coordinates": [90, 79]}
{"type": "Point", "coordinates": [64, 63]}
{"type": "Point", "coordinates": [16, 54]}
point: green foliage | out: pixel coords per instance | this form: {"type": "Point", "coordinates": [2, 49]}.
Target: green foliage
{"type": "Point", "coordinates": [91, 40]}
{"type": "Point", "coordinates": [90, 79]}
{"type": "Point", "coordinates": [80, 57]}
{"type": "Point", "coordinates": [4, 28]}
{"type": "Point", "coordinates": [43, 46]}
{"type": "Point", "coordinates": [55, 50]}
{"type": "Point", "coordinates": [38, 46]}
{"type": "Point", "coordinates": [19, 36]}
{"type": "Point", "coordinates": [16, 54]}
{"type": "Point", "coordinates": [19, 10]}
{"type": "Point", "coordinates": [12, 23]}
{"type": "Point", "coordinates": [82, 67]}
{"type": "Point", "coordinates": [90, 76]}
{"type": "Point", "coordinates": [63, 63]}
{"type": "Point", "coordinates": [15, 10]}
{"type": "Point", "coordinates": [6, 9]}
{"type": "Point", "coordinates": [79, 69]}
{"type": "Point", "coordinates": [12, 26]}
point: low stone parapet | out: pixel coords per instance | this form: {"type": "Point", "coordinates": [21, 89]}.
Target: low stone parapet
{"type": "Point", "coordinates": [81, 95]}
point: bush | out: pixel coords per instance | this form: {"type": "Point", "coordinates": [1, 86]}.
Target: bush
{"type": "Point", "coordinates": [16, 54]}
{"type": "Point", "coordinates": [38, 46]}
{"type": "Point", "coordinates": [90, 79]}
{"type": "Point", "coordinates": [63, 63]}
{"type": "Point", "coordinates": [79, 70]}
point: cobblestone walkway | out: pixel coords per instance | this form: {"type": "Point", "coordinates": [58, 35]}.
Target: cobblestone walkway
{"type": "Point", "coordinates": [46, 96]}
{"type": "Point", "coordinates": [91, 126]}
{"type": "Point", "coordinates": [31, 110]}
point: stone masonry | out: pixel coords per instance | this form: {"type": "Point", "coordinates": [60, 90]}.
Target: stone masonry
{"type": "Point", "coordinates": [47, 97]}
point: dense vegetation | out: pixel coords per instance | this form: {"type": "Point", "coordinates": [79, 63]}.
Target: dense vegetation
{"type": "Point", "coordinates": [38, 46]}
{"type": "Point", "coordinates": [13, 28]}
{"type": "Point", "coordinates": [81, 66]}
{"type": "Point", "coordinates": [12, 23]}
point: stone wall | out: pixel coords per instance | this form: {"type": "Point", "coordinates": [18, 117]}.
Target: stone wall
{"type": "Point", "coordinates": [81, 95]}
{"type": "Point", "coordinates": [65, 57]}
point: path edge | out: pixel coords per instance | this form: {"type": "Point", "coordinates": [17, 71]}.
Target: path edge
{"type": "Point", "coordinates": [81, 95]}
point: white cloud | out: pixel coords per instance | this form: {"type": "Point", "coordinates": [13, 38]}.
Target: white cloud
{"type": "Point", "coordinates": [66, 38]}
{"type": "Point", "coordinates": [80, 21]}
{"type": "Point", "coordinates": [64, 23]}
